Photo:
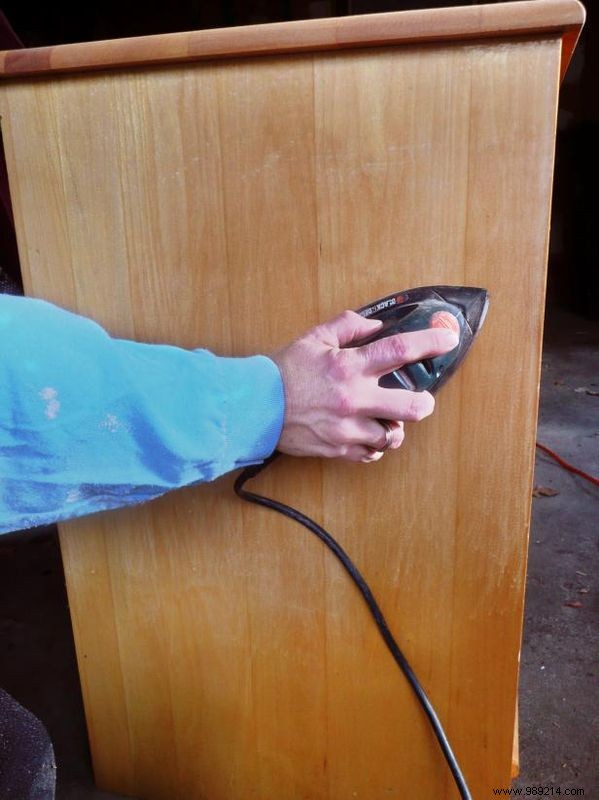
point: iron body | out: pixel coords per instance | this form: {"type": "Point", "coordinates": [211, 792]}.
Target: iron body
{"type": "Point", "coordinates": [459, 308]}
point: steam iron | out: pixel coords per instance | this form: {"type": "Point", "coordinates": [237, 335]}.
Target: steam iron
{"type": "Point", "coordinates": [459, 308]}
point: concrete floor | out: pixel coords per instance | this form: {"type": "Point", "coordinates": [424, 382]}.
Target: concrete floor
{"type": "Point", "coordinates": [559, 688]}
{"type": "Point", "coordinates": [559, 722]}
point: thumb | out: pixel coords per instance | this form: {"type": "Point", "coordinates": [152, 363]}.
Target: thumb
{"type": "Point", "coordinates": [349, 327]}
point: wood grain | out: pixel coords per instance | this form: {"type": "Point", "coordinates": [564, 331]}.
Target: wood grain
{"type": "Point", "coordinates": [528, 17]}
{"type": "Point", "coordinates": [223, 653]}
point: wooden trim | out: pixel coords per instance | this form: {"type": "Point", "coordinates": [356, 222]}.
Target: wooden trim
{"type": "Point", "coordinates": [529, 17]}
{"type": "Point", "coordinates": [569, 40]}
{"type": "Point", "coordinates": [516, 747]}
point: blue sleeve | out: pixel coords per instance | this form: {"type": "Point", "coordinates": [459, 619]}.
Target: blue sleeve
{"type": "Point", "coordinates": [88, 422]}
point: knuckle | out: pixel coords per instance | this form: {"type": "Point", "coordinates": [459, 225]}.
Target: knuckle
{"type": "Point", "coordinates": [398, 438]}
{"type": "Point", "coordinates": [347, 316]}
{"type": "Point", "coordinates": [346, 430]}
{"type": "Point", "coordinates": [400, 347]}
{"type": "Point", "coordinates": [422, 405]}
{"type": "Point", "coordinates": [342, 367]}
{"type": "Point", "coordinates": [339, 432]}
{"type": "Point", "coordinates": [412, 411]}
{"type": "Point", "coordinates": [329, 452]}
{"type": "Point", "coordinates": [345, 404]}
{"type": "Point", "coordinates": [355, 455]}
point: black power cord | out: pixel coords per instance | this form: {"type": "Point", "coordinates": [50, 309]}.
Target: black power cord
{"type": "Point", "coordinates": [377, 614]}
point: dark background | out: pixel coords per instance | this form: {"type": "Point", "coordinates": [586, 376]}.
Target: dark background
{"type": "Point", "coordinates": [574, 248]}
{"type": "Point", "coordinates": [558, 721]}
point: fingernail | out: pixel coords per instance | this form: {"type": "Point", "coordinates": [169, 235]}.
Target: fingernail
{"type": "Point", "coordinates": [452, 338]}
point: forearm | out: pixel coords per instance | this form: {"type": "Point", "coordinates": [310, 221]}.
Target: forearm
{"type": "Point", "coordinates": [88, 422]}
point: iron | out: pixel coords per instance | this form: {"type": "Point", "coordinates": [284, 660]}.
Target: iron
{"type": "Point", "coordinates": [459, 308]}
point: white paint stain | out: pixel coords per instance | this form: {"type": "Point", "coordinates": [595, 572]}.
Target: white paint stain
{"type": "Point", "coordinates": [73, 495]}
{"type": "Point", "coordinates": [50, 395]}
{"type": "Point", "coordinates": [112, 424]}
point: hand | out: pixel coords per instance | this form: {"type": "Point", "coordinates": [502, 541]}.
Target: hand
{"type": "Point", "coordinates": [332, 396]}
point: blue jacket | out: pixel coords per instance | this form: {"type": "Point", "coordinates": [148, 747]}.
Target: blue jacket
{"type": "Point", "coordinates": [88, 422]}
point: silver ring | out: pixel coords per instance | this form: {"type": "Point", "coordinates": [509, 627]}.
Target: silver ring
{"type": "Point", "coordinates": [388, 435]}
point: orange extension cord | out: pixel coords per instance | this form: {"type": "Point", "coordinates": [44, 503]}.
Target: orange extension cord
{"type": "Point", "coordinates": [567, 466]}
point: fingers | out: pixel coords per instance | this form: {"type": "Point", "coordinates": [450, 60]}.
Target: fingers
{"type": "Point", "coordinates": [334, 405]}
{"type": "Point", "coordinates": [361, 454]}
{"type": "Point", "coordinates": [398, 433]}
{"type": "Point", "coordinates": [367, 440]}
{"type": "Point", "coordinates": [392, 352]}
{"type": "Point", "coordinates": [398, 404]}
{"type": "Point", "coordinates": [347, 328]}
{"type": "Point", "coordinates": [393, 435]}
{"type": "Point", "coordinates": [372, 434]}
{"type": "Point", "coordinates": [369, 454]}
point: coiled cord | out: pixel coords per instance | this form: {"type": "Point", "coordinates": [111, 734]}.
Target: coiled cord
{"type": "Point", "coordinates": [377, 614]}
